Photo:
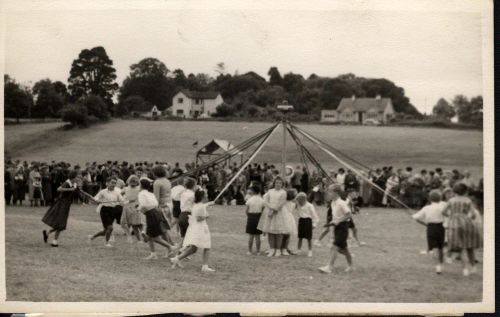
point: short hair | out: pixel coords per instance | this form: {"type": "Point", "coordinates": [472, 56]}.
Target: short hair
{"type": "Point", "coordinates": [291, 194]}
{"type": "Point", "coordinates": [189, 183]}
{"type": "Point", "coordinates": [199, 195]}
{"type": "Point", "coordinates": [255, 189]}
{"type": "Point", "coordinates": [159, 171]}
{"type": "Point", "coordinates": [145, 183]}
{"type": "Point", "coordinates": [435, 196]}
{"type": "Point", "coordinates": [111, 178]}
{"type": "Point", "coordinates": [72, 174]}
{"type": "Point", "coordinates": [133, 178]}
{"type": "Point", "coordinates": [301, 195]}
{"type": "Point", "coordinates": [460, 189]}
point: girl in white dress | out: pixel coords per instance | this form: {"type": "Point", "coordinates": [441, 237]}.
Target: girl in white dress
{"type": "Point", "coordinates": [290, 222]}
{"type": "Point", "coordinates": [197, 234]}
{"type": "Point", "coordinates": [273, 221]}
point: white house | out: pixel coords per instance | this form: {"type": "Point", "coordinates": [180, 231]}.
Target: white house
{"type": "Point", "coordinates": [195, 104]}
{"type": "Point", "coordinates": [358, 110]}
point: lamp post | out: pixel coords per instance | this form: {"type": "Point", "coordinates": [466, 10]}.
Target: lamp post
{"type": "Point", "coordinates": [285, 108]}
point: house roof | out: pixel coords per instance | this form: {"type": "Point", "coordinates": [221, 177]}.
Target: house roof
{"type": "Point", "coordinates": [363, 104]}
{"type": "Point", "coordinates": [200, 94]}
{"type": "Point", "coordinates": [215, 145]}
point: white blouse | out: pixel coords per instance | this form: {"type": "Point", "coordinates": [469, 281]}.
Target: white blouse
{"type": "Point", "coordinates": [147, 201]}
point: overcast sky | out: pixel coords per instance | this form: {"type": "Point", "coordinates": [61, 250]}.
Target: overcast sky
{"type": "Point", "coordinates": [430, 54]}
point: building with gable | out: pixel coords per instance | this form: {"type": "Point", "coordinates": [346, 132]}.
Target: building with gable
{"type": "Point", "coordinates": [195, 104]}
{"type": "Point", "coordinates": [359, 110]}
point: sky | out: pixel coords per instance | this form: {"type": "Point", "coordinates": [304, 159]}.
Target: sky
{"type": "Point", "coordinates": [431, 54]}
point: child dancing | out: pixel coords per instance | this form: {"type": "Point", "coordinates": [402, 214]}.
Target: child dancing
{"type": "Point", "coordinates": [197, 234]}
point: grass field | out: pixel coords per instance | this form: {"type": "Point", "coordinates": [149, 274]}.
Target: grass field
{"type": "Point", "coordinates": [77, 271]}
{"type": "Point", "coordinates": [172, 141]}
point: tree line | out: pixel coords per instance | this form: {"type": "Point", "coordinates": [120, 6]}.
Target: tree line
{"type": "Point", "coordinates": [88, 97]}
{"type": "Point", "coordinates": [468, 111]}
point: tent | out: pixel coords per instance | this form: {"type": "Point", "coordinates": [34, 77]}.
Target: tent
{"type": "Point", "coordinates": [216, 147]}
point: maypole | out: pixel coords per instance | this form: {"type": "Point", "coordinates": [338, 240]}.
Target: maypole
{"type": "Point", "coordinates": [285, 108]}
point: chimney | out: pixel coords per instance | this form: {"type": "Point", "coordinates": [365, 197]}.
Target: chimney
{"type": "Point", "coordinates": [377, 97]}
{"type": "Point", "coordinates": [353, 97]}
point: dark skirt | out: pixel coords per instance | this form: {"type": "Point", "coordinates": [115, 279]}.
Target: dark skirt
{"type": "Point", "coordinates": [341, 233]}
{"type": "Point", "coordinates": [154, 218]}
{"type": "Point", "coordinates": [184, 222]}
{"type": "Point", "coordinates": [252, 223]}
{"type": "Point", "coordinates": [176, 210]}
{"type": "Point", "coordinates": [110, 214]}
{"type": "Point", "coordinates": [57, 215]}
{"type": "Point", "coordinates": [305, 228]}
{"type": "Point", "coordinates": [435, 236]}
{"type": "Point", "coordinates": [37, 193]}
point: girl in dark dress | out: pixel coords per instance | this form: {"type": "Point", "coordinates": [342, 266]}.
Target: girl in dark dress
{"type": "Point", "coordinates": [46, 186]}
{"type": "Point", "coordinates": [57, 215]}
{"type": "Point", "coordinates": [19, 187]}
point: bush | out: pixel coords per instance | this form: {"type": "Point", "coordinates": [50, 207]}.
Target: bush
{"type": "Point", "coordinates": [224, 110]}
{"type": "Point", "coordinates": [253, 110]}
{"type": "Point", "coordinates": [96, 107]}
{"type": "Point", "coordinates": [75, 114]}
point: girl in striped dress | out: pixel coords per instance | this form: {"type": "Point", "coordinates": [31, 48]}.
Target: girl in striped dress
{"type": "Point", "coordinates": [462, 233]}
{"type": "Point", "coordinates": [131, 217]}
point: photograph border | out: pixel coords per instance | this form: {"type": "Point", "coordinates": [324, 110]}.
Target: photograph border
{"type": "Point", "coordinates": [485, 7]}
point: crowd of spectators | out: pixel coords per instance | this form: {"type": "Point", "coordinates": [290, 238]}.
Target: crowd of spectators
{"type": "Point", "coordinates": [36, 182]}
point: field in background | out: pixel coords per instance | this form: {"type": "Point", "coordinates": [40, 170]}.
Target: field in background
{"type": "Point", "coordinates": [172, 141]}
{"type": "Point", "coordinates": [388, 269]}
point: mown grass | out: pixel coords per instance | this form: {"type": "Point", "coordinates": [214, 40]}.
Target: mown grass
{"type": "Point", "coordinates": [171, 141]}
{"type": "Point", "coordinates": [77, 271]}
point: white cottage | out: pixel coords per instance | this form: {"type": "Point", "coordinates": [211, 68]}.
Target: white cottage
{"type": "Point", "coordinates": [358, 110]}
{"type": "Point", "coordinates": [195, 104]}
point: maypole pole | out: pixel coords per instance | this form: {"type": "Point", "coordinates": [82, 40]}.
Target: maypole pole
{"type": "Point", "coordinates": [285, 108]}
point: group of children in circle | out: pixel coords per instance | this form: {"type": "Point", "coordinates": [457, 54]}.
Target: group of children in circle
{"type": "Point", "coordinates": [184, 207]}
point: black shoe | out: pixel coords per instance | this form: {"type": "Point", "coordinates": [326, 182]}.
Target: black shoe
{"type": "Point", "coordinates": [45, 236]}
{"type": "Point", "coordinates": [54, 245]}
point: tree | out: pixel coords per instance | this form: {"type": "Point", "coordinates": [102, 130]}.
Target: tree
{"type": "Point", "coordinates": [92, 73]}
{"type": "Point", "coordinates": [148, 79]}
{"type": "Point", "coordinates": [17, 99]}
{"type": "Point", "coordinates": [131, 104]}
{"type": "Point", "coordinates": [293, 83]}
{"type": "Point", "coordinates": [388, 89]}
{"type": "Point", "coordinates": [75, 114]}
{"type": "Point", "coordinates": [332, 93]}
{"type": "Point", "coordinates": [61, 89]}
{"type": "Point", "coordinates": [180, 79]}
{"type": "Point", "coordinates": [48, 101]}
{"type": "Point", "coordinates": [476, 105]}
{"type": "Point", "coordinates": [149, 66]}
{"type": "Point", "coordinates": [469, 111]}
{"type": "Point", "coordinates": [231, 86]}
{"type": "Point", "coordinates": [443, 110]}
{"type": "Point", "coordinates": [224, 110]}
{"type": "Point", "coordinates": [95, 107]}
{"type": "Point", "coordinates": [275, 77]}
